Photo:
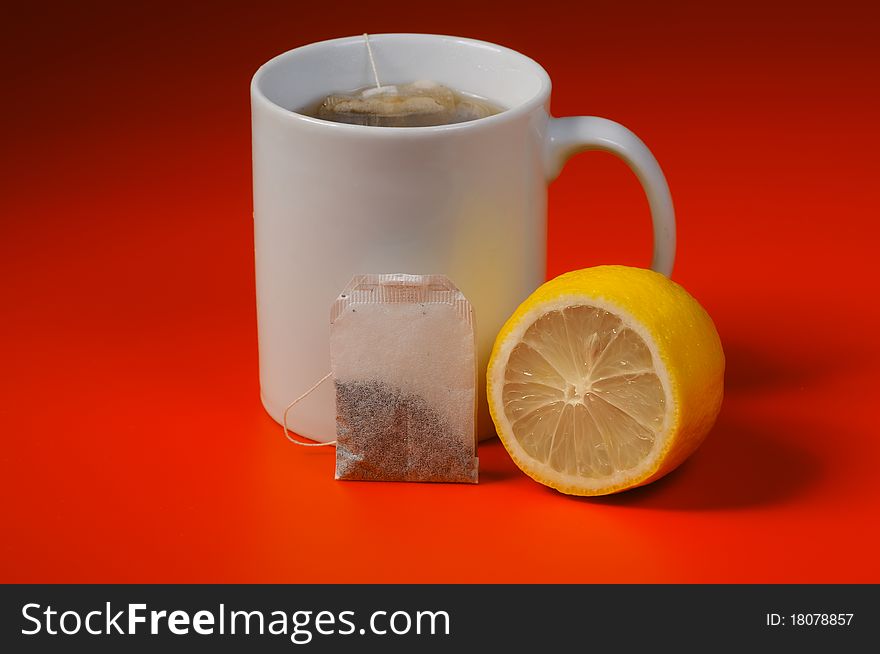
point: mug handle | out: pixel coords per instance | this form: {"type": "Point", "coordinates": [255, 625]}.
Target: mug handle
{"type": "Point", "coordinates": [568, 136]}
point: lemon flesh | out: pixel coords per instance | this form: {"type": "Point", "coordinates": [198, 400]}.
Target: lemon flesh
{"type": "Point", "coordinates": [582, 394]}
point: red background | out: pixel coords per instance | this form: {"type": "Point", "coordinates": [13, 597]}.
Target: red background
{"type": "Point", "coordinates": [134, 444]}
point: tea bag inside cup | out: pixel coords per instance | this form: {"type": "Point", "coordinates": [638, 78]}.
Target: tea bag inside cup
{"type": "Point", "coordinates": [416, 104]}
{"type": "Point", "coordinates": [402, 355]}
{"type": "Point", "coordinates": [403, 105]}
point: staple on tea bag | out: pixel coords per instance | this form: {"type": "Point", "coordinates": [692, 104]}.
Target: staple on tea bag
{"type": "Point", "coordinates": [403, 360]}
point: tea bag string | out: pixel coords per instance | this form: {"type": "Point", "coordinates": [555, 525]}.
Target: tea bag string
{"type": "Point", "coordinates": [293, 404]}
{"type": "Point", "coordinates": [372, 60]}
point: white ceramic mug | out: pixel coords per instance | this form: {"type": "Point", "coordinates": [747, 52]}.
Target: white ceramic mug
{"type": "Point", "coordinates": [467, 200]}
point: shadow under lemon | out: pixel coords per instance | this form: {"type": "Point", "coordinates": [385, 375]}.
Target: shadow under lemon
{"type": "Point", "coordinates": [753, 370]}
{"type": "Point", "coordinates": [742, 463]}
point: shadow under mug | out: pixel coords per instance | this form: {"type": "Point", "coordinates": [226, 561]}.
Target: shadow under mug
{"type": "Point", "coordinates": [466, 200]}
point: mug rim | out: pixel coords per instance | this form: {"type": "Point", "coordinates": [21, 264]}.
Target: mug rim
{"type": "Point", "coordinates": [512, 113]}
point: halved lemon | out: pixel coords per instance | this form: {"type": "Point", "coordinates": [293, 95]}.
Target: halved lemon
{"type": "Point", "coordinates": [605, 379]}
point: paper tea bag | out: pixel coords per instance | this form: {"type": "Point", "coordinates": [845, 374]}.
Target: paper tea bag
{"type": "Point", "coordinates": [404, 105]}
{"type": "Point", "coordinates": [402, 354]}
